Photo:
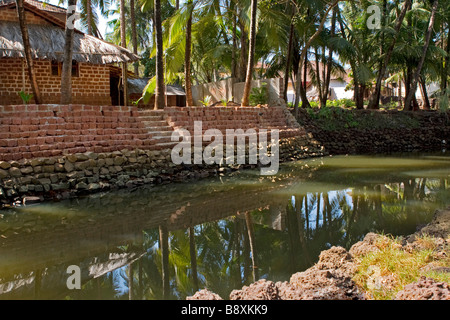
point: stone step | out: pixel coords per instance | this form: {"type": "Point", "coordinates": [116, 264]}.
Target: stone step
{"type": "Point", "coordinates": [162, 139]}
{"type": "Point", "coordinates": [166, 144]}
{"type": "Point", "coordinates": [151, 111]}
{"type": "Point", "coordinates": [155, 123]}
{"type": "Point", "coordinates": [161, 133]}
{"type": "Point", "coordinates": [151, 118]}
{"type": "Point", "coordinates": [159, 128]}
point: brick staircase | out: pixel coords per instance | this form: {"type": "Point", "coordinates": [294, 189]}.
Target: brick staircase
{"type": "Point", "coordinates": [156, 124]}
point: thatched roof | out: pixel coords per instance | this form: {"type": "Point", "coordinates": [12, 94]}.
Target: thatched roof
{"type": "Point", "coordinates": [47, 42]}
{"type": "Point", "coordinates": [51, 9]}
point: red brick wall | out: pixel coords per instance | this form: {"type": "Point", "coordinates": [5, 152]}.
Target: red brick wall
{"type": "Point", "coordinates": [90, 87]}
{"type": "Point", "coordinates": [29, 131]}
{"type": "Point", "coordinates": [223, 118]}
{"type": "Point", "coordinates": [9, 14]}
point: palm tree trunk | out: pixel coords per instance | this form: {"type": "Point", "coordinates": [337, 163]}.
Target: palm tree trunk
{"type": "Point", "coordinates": [251, 55]}
{"type": "Point", "coordinates": [243, 57]}
{"type": "Point", "coordinates": [89, 16]}
{"type": "Point", "coordinates": [234, 40]}
{"type": "Point", "coordinates": [130, 282]}
{"type": "Point", "coordinates": [66, 73]}
{"type": "Point", "coordinates": [310, 41]}
{"type": "Point", "coordinates": [160, 101]}
{"type": "Point", "coordinates": [134, 34]}
{"type": "Point", "coordinates": [123, 43]}
{"type": "Point", "coordinates": [289, 58]}
{"type": "Point", "coordinates": [187, 58]}
{"type": "Point", "coordinates": [251, 237]}
{"type": "Point", "coordinates": [164, 247]}
{"type": "Point", "coordinates": [374, 102]}
{"type": "Point", "coordinates": [27, 52]}
{"type": "Point", "coordinates": [426, 100]}
{"type": "Point", "coordinates": [319, 85]}
{"type": "Point", "coordinates": [330, 57]}
{"type": "Point", "coordinates": [193, 254]}
{"type": "Point", "coordinates": [415, 79]}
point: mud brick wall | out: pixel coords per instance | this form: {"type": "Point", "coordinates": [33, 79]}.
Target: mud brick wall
{"type": "Point", "coordinates": [31, 131]}
{"type": "Point", "coordinates": [223, 118]}
{"type": "Point", "coordinates": [10, 14]}
{"type": "Point", "coordinates": [91, 86]}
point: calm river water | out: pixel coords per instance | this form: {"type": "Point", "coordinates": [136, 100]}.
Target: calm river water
{"type": "Point", "coordinates": [150, 242]}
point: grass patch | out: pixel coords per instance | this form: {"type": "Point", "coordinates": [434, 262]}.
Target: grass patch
{"type": "Point", "coordinates": [385, 272]}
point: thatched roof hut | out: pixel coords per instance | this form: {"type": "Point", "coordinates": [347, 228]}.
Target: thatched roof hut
{"type": "Point", "coordinates": [47, 42]}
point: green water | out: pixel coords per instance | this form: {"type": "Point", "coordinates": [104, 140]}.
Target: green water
{"type": "Point", "coordinates": [307, 207]}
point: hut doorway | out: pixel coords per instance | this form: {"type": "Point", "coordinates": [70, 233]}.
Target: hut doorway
{"type": "Point", "coordinates": [116, 91]}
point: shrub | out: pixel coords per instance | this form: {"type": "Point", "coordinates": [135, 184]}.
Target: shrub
{"type": "Point", "coordinates": [258, 95]}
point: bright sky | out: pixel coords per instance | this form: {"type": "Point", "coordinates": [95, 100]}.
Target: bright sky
{"type": "Point", "coordinates": [102, 21]}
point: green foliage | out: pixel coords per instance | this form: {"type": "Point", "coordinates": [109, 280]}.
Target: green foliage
{"type": "Point", "coordinates": [259, 95]}
{"type": "Point", "coordinates": [332, 119]}
{"type": "Point", "coordinates": [207, 101]}
{"type": "Point", "coordinates": [26, 97]}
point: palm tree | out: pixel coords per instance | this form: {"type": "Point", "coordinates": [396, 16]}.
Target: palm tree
{"type": "Point", "coordinates": [123, 43]}
{"type": "Point", "coordinates": [134, 34]}
{"type": "Point", "coordinates": [305, 51]}
{"type": "Point", "coordinates": [375, 98]}
{"type": "Point", "coordinates": [164, 247]}
{"type": "Point", "coordinates": [27, 51]}
{"type": "Point", "coordinates": [251, 237]}
{"type": "Point", "coordinates": [251, 55]}
{"type": "Point", "coordinates": [159, 91]}
{"type": "Point", "coordinates": [187, 56]}
{"type": "Point", "coordinates": [66, 74]}
{"type": "Point", "coordinates": [424, 53]}
{"type": "Point", "coordinates": [89, 16]}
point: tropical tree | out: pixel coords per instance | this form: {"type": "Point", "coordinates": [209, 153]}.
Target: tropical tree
{"type": "Point", "coordinates": [424, 53]}
{"type": "Point", "coordinates": [123, 43]}
{"type": "Point", "coordinates": [27, 51]}
{"type": "Point", "coordinates": [251, 55]}
{"type": "Point", "coordinates": [375, 98]}
{"type": "Point", "coordinates": [187, 56]}
{"type": "Point", "coordinates": [160, 101]}
{"type": "Point", "coordinates": [66, 73]}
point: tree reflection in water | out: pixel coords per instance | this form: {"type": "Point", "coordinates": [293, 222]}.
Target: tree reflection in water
{"type": "Point", "coordinates": [169, 241]}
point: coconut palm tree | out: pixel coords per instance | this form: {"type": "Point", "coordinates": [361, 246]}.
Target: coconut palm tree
{"type": "Point", "coordinates": [66, 73]}
{"type": "Point", "coordinates": [375, 98]}
{"type": "Point", "coordinates": [251, 55]}
{"type": "Point", "coordinates": [187, 56]}
{"type": "Point", "coordinates": [160, 101]}
{"type": "Point", "coordinates": [27, 51]}
{"type": "Point", "coordinates": [123, 43]}
{"type": "Point", "coordinates": [424, 53]}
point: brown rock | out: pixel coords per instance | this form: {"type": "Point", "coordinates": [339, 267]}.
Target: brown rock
{"type": "Point", "coordinates": [425, 289]}
{"type": "Point", "coordinates": [204, 294]}
{"type": "Point", "coordinates": [260, 290]}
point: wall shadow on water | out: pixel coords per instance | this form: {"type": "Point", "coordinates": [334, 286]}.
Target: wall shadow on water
{"type": "Point", "coordinates": [168, 241]}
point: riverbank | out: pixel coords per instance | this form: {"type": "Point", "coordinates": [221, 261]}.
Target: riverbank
{"type": "Point", "coordinates": [351, 131]}
{"type": "Point", "coordinates": [52, 152]}
{"type": "Point", "coordinates": [345, 275]}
